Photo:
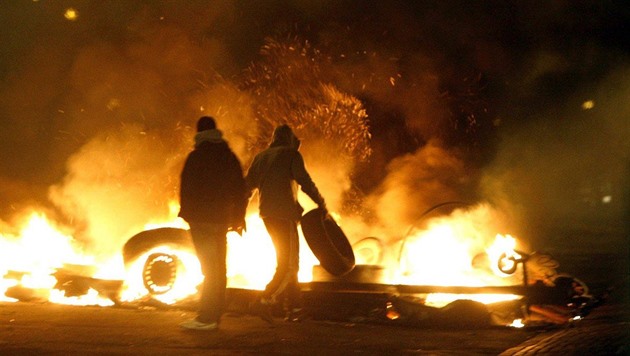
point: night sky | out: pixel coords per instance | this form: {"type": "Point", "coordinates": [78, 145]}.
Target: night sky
{"type": "Point", "coordinates": [525, 105]}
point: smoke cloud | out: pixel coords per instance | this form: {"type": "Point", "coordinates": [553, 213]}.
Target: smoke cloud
{"type": "Point", "coordinates": [567, 170]}
{"type": "Point", "coordinates": [401, 106]}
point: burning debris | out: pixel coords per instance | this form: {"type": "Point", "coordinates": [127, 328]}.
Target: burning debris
{"type": "Point", "coordinates": [161, 270]}
{"type": "Point", "coordinates": [73, 285]}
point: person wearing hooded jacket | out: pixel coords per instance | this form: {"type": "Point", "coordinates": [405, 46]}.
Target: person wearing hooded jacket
{"type": "Point", "coordinates": [213, 200]}
{"type": "Point", "coordinates": [276, 172]}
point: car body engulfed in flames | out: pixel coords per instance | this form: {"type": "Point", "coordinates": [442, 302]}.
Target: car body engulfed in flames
{"type": "Point", "coordinates": [339, 289]}
{"type": "Point", "coordinates": [357, 282]}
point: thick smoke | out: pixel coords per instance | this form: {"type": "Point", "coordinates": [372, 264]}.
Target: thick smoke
{"type": "Point", "coordinates": [565, 174]}
{"type": "Point", "coordinates": [115, 120]}
{"type": "Point", "coordinates": [419, 102]}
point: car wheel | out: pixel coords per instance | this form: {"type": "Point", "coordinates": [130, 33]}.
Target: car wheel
{"type": "Point", "coordinates": [148, 239]}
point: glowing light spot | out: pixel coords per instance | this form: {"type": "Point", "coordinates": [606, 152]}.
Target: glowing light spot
{"type": "Point", "coordinates": [71, 14]}
{"type": "Point", "coordinates": [587, 105]}
{"type": "Point", "coordinates": [606, 199]}
{"type": "Point", "coordinates": [517, 323]}
{"type": "Point", "coordinates": [392, 313]}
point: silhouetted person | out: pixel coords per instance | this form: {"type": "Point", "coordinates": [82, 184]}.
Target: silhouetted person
{"type": "Point", "coordinates": [213, 199]}
{"type": "Point", "coordinates": [275, 172]}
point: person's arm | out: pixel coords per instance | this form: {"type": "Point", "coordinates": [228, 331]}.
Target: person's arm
{"type": "Point", "coordinates": [252, 177]}
{"type": "Point", "coordinates": [301, 176]}
{"type": "Point", "coordinates": [240, 196]}
{"type": "Point", "coordinates": [188, 186]}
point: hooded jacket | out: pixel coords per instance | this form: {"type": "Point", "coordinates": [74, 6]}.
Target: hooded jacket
{"type": "Point", "coordinates": [276, 172]}
{"type": "Point", "coordinates": [212, 187]}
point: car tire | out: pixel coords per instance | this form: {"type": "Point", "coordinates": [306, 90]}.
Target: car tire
{"type": "Point", "coordinates": [328, 242]}
{"type": "Point", "coordinates": [148, 239]}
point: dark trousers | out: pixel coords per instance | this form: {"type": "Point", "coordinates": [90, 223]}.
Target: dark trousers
{"type": "Point", "coordinates": [211, 246]}
{"type": "Point", "coordinates": [284, 284]}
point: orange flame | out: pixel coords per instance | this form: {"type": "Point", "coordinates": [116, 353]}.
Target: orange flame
{"type": "Point", "coordinates": [443, 254]}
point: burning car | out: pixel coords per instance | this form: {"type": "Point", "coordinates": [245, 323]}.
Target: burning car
{"type": "Point", "coordinates": [160, 253]}
{"type": "Point", "coordinates": [433, 276]}
{"type": "Point", "coordinates": [165, 255]}
{"type": "Point", "coordinates": [163, 259]}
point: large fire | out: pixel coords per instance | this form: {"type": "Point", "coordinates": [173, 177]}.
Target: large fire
{"type": "Point", "coordinates": [30, 258]}
{"type": "Point", "coordinates": [443, 254]}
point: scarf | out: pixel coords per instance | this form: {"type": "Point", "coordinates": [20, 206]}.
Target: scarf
{"type": "Point", "coordinates": [212, 136]}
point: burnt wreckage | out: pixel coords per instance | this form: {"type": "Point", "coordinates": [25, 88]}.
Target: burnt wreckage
{"type": "Point", "coordinates": [343, 291]}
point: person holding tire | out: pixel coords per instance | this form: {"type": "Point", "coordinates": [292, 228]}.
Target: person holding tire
{"type": "Point", "coordinates": [275, 173]}
{"type": "Point", "coordinates": [213, 199]}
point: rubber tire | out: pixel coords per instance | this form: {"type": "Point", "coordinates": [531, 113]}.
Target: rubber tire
{"type": "Point", "coordinates": [328, 242]}
{"type": "Point", "coordinates": [148, 239]}
{"type": "Point", "coordinates": [373, 242]}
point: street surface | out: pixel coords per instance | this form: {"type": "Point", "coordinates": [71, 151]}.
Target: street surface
{"type": "Point", "coordinates": [44, 329]}
{"type": "Point", "coordinates": [49, 329]}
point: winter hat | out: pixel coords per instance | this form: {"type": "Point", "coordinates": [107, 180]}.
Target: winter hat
{"type": "Point", "coordinates": [206, 123]}
{"type": "Point", "coordinates": [283, 135]}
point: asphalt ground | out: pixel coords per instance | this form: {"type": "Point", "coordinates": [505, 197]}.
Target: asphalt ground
{"type": "Point", "coordinates": [50, 329]}
{"type": "Point", "coordinates": [28, 328]}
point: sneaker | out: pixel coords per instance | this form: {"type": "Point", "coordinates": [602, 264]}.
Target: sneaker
{"type": "Point", "coordinates": [262, 311]}
{"type": "Point", "coordinates": [197, 325]}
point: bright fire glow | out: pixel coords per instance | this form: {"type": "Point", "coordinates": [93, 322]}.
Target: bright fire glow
{"type": "Point", "coordinates": [442, 255]}
{"type": "Point", "coordinates": [450, 253]}
{"type": "Point", "coordinates": [251, 258]}
{"type": "Point", "coordinates": [30, 259]}
{"type": "Point", "coordinates": [439, 300]}
{"type": "Point", "coordinates": [185, 284]}
{"type": "Point", "coordinates": [437, 257]}
{"type": "Point", "coordinates": [250, 263]}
